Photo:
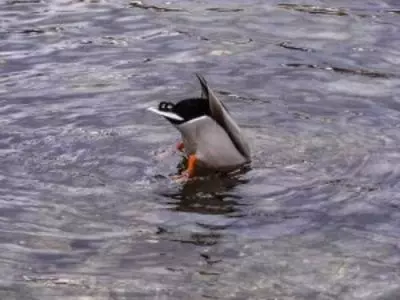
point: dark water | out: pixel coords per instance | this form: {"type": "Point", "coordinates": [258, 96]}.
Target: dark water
{"type": "Point", "coordinates": [87, 208]}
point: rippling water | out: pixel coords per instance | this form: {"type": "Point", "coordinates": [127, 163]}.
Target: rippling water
{"type": "Point", "coordinates": [87, 208]}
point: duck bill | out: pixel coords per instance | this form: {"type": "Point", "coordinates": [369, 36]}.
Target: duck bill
{"type": "Point", "coordinates": [166, 114]}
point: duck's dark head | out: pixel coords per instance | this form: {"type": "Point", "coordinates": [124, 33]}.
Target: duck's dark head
{"type": "Point", "coordinates": [186, 110]}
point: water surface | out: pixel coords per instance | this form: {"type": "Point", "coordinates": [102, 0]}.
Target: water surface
{"type": "Point", "coordinates": [87, 208]}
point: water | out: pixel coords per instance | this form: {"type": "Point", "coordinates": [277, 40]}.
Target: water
{"type": "Point", "coordinates": [87, 208]}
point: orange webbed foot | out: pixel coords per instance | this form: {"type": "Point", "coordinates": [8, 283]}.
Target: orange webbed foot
{"type": "Point", "coordinates": [189, 172]}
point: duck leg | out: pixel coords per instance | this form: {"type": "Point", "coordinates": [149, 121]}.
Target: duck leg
{"type": "Point", "coordinates": [189, 172]}
{"type": "Point", "coordinates": [191, 165]}
{"type": "Point", "coordinates": [180, 146]}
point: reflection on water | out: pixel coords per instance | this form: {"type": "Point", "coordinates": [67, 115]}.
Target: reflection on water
{"type": "Point", "coordinates": [88, 208]}
{"type": "Point", "coordinates": [208, 195]}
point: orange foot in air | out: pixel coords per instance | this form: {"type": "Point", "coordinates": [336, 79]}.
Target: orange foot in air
{"type": "Point", "coordinates": [180, 146]}
{"type": "Point", "coordinates": [189, 172]}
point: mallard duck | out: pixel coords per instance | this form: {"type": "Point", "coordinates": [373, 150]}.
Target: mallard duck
{"type": "Point", "coordinates": [210, 136]}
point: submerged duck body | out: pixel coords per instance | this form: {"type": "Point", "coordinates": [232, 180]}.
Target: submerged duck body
{"type": "Point", "coordinates": [210, 136]}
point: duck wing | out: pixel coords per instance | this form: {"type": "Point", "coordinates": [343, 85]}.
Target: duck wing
{"type": "Point", "coordinates": [222, 116]}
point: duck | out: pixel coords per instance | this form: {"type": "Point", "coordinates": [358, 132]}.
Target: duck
{"type": "Point", "coordinates": [210, 136]}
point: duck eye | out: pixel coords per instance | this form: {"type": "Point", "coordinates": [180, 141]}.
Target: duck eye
{"type": "Point", "coordinates": [166, 106]}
